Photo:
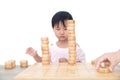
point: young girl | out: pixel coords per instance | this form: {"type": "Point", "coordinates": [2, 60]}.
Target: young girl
{"type": "Point", "coordinates": [59, 50]}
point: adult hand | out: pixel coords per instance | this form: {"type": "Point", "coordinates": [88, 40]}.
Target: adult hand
{"type": "Point", "coordinates": [112, 57]}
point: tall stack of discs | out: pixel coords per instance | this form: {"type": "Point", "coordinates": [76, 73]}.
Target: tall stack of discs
{"type": "Point", "coordinates": [71, 41]}
{"type": "Point", "coordinates": [45, 51]}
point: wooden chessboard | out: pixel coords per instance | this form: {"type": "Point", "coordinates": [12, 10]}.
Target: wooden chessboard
{"type": "Point", "coordinates": [65, 71]}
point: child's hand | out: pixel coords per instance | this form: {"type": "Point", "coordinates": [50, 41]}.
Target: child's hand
{"type": "Point", "coordinates": [31, 51]}
{"type": "Point", "coordinates": [62, 60]}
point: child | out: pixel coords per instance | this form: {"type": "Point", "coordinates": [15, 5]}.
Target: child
{"type": "Point", "coordinates": [59, 50]}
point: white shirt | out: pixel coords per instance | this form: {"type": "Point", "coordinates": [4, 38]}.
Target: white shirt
{"type": "Point", "coordinates": [56, 53]}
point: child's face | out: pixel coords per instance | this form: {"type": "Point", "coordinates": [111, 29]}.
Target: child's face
{"type": "Point", "coordinates": [61, 31]}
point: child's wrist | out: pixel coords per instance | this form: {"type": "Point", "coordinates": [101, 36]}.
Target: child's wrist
{"type": "Point", "coordinates": [35, 55]}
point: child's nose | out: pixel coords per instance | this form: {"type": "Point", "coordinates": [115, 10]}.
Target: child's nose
{"type": "Point", "coordinates": [62, 31]}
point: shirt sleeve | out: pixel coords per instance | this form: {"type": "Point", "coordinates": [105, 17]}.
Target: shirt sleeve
{"type": "Point", "coordinates": [80, 54]}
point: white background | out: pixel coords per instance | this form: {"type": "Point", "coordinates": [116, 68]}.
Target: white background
{"type": "Point", "coordinates": [24, 22]}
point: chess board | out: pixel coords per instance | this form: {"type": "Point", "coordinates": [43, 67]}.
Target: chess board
{"type": "Point", "coordinates": [65, 71]}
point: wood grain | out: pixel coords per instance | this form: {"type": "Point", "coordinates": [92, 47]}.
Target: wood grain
{"type": "Point", "coordinates": [64, 71]}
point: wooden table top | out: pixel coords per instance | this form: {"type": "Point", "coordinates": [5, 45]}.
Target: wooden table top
{"type": "Point", "coordinates": [64, 71]}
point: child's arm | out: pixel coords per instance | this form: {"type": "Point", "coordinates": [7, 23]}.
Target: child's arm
{"type": "Point", "coordinates": [37, 58]}
{"type": "Point", "coordinates": [34, 54]}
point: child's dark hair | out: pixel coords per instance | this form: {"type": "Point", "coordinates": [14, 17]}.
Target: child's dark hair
{"type": "Point", "coordinates": [61, 16]}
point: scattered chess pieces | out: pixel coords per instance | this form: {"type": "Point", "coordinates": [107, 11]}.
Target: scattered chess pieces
{"type": "Point", "coordinates": [107, 63]}
{"type": "Point", "coordinates": [103, 70]}
{"type": "Point", "coordinates": [45, 50]}
{"type": "Point", "coordinates": [23, 63]}
{"type": "Point", "coordinates": [13, 63]}
{"type": "Point", "coordinates": [93, 62]}
{"type": "Point", "coordinates": [71, 41]}
{"type": "Point", "coordinates": [104, 67]}
{"type": "Point", "coordinates": [10, 64]}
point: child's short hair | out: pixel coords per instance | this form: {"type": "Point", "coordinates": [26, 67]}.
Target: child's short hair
{"type": "Point", "coordinates": [61, 16]}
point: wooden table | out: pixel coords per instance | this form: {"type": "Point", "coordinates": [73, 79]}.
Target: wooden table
{"type": "Point", "coordinates": [64, 71]}
{"type": "Point", "coordinates": [9, 74]}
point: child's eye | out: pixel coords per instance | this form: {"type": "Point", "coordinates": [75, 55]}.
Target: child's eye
{"type": "Point", "coordinates": [65, 29]}
{"type": "Point", "coordinates": [57, 29]}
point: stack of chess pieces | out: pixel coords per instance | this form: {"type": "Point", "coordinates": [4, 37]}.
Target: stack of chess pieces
{"type": "Point", "coordinates": [45, 50]}
{"type": "Point", "coordinates": [71, 41]}
{"type": "Point", "coordinates": [23, 63]}
{"type": "Point", "coordinates": [104, 66]}
{"type": "Point", "coordinates": [10, 64]}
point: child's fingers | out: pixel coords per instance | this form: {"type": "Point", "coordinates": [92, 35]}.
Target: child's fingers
{"type": "Point", "coordinates": [62, 60]}
{"type": "Point", "coordinates": [30, 51]}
